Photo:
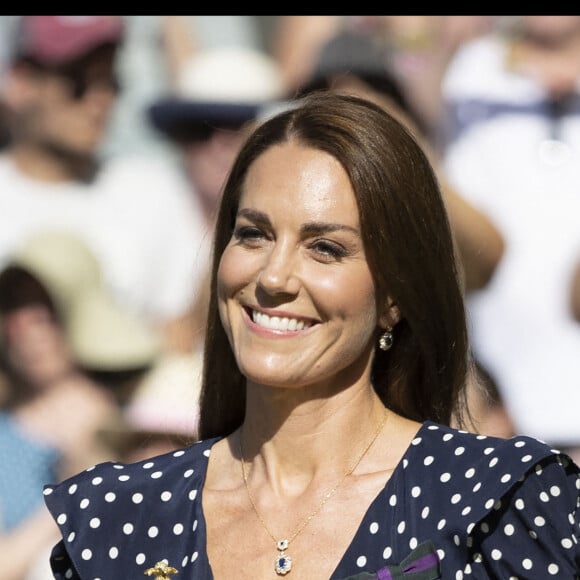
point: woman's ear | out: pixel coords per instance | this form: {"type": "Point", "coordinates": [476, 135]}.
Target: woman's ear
{"type": "Point", "coordinates": [391, 314]}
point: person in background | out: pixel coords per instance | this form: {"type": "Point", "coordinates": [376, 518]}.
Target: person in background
{"type": "Point", "coordinates": [60, 90]}
{"type": "Point", "coordinates": [70, 356]}
{"type": "Point", "coordinates": [513, 140]}
{"type": "Point", "coordinates": [336, 356]}
{"type": "Point", "coordinates": [420, 46]}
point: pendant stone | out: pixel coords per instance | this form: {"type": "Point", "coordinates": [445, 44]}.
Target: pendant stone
{"type": "Point", "coordinates": [283, 563]}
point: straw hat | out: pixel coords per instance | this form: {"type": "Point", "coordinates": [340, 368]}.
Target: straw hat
{"type": "Point", "coordinates": [103, 336]}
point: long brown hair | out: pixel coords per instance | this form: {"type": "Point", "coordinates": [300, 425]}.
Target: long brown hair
{"type": "Point", "coordinates": [409, 249]}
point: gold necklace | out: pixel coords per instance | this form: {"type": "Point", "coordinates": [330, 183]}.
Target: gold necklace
{"type": "Point", "coordinates": [283, 562]}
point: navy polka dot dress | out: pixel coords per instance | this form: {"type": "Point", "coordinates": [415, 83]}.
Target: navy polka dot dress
{"type": "Point", "coordinates": [457, 506]}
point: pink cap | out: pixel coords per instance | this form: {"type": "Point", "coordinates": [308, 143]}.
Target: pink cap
{"type": "Point", "coordinates": [55, 40]}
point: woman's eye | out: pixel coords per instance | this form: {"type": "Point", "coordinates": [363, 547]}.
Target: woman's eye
{"type": "Point", "coordinates": [328, 250]}
{"type": "Point", "coordinates": [248, 234]}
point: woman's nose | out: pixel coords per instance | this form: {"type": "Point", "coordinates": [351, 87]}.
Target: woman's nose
{"type": "Point", "coordinates": [278, 274]}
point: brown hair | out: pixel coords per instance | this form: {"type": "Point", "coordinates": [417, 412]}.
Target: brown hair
{"type": "Point", "coordinates": [409, 249]}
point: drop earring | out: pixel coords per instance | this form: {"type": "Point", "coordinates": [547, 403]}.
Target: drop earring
{"type": "Point", "coordinates": [386, 339]}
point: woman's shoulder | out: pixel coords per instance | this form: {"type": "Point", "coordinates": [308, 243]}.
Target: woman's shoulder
{"type": "Point", "coordinates": [453, 451]}
{"type": "Point", "coordinates": [169, 471]}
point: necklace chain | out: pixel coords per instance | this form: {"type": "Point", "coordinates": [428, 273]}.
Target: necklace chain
{"type": "Point", "coordinates": [283, 562]}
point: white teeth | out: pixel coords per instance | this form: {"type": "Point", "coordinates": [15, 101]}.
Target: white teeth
{"type": "Point", "coordinates": [277, 323]}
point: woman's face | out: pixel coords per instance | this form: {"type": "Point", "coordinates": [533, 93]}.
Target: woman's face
{"type": "Point", "coordinates": [296, 296]}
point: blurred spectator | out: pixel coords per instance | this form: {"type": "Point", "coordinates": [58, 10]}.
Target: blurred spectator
{"type": "Point", "coordinates": [218, 92]}
{"type": "Point", "coordinates": [513, 132]}
{"type": "Point", "coordinates": [421, 47]}
{"type": "Point", "coordinates": [134, 212]}
{"type": "Point", "coordinates": [60, 330]}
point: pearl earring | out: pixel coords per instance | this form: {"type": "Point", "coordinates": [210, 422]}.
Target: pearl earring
{"type": "Point", "coordinates": [386, 339]}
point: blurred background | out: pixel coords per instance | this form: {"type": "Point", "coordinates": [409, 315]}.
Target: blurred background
{"type": "Point", "coordinates": [116, 136]}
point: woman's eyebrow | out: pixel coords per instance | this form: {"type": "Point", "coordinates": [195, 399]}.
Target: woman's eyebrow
{"type": "Point", "coordinates": [307, 229]}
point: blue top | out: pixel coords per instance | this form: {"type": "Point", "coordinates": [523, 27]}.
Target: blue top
{"type": "Point", "coordinates": [457, 505]}
{"type": "Point", "coordinates": [27, 464]}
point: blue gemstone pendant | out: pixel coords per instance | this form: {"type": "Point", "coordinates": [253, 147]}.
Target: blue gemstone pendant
{"type": "Point", "coordinates": [283, 563]}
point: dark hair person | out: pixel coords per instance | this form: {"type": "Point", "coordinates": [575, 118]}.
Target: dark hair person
{"type": "Point", "coordinates": [336, 357]}
{"type": "Point", "coordinates": [407, 243]}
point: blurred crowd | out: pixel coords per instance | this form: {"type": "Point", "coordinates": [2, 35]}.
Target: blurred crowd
{"type": "Point", "coordinates": [116, 136]}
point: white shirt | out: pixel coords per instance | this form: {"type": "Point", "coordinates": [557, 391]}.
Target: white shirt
{"type": "Point", "coordinates": [139, 217]}
{"type": "Point", "coordinates": [510, 159]}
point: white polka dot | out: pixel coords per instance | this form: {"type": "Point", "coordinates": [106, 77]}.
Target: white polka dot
{"type": "Point", "coordinates": [153, 532]}
{"type": "Point", "coordinates": [447, 436]}
{"type": "Point", "coordinates": [466, 510]}
{"type": "Point", "coordinates": [445, 477]}
{"type": "Point", "coordinates": [184, 561]}
{"type": "Point", "coordinates": [401, 527]}
{"type": "Point", "coordinates": [456, 539]}
{"type": "Point", "coordinates": [416, 491]}
{"type": "Point", "coordinates": [47, 491]}
{"type": "Point", "coordinates": [110, 497]}
{"type": "Point", "coordinates": [113, 552]}
{"type": "Point", "coordinates": [455, 498]}
{"type": "Point", "coordinates": [544, 497]}
{"type": "Point", "coordinates": [425, 512]}
{"type": "Point", "coordinates": [470, 473]}
{"type": "Point", "coordinates": [555, 490]}
{"type": "Point", "coordinates": [484, 527]}
{"type": "Point", "coordinates": [188, 473]}
{"type": "Point", "coordinates": [95, 523]}
{"type": "Point", "coordinates": [413, 543]}
{"type": "Point", "coordinates": [441, 523]}
{"type": "Point", "coordinates": [566, 543]}
{"type": "Point", "coordinates": [539, 521]}
{"type": "Point", "coordinates": [128, 529]}
{"type": "Point", "coordinates": [493, 462]}
{"type": "Point", "coordinates": [387, 552]}
{"type": "Point", "coordinates": [488, 450]}
{"type": "Point", "coordinates": [393, 500]}
{"type": "Point", "coordinates": [459, 575]}
{"type": "Point", "coordinates": [194, 556]}
{"type": "Point", "coordinates": [194, 527]}
{"type": "Point", "coordinates": [416, 441]}
{"type": "Point", "coordinates": [519, 443]}
{"type": "Point", "coordinates": [140, 559]}
{"type": "Point", "coordinates": [520, 505]}
{"type": "Point", "coordinates": [86, 554]}
{"type": "Point", "coordinates": [553, 569]}
{"type": "Point", "coordinates": [124, 478]}
{"type": "Point", "coordinates": [148, 465]}
{"type": "Point", "coordinates": [179, 453]}
{"type": "Point", "coordinates": [496, 554]}
{"type": "Point", "coordinates": [428, 460]}
{"type": "Point", "coordinates": [97, 480]}
{"type": "Point", "coordinates": [207, 452]}
{"type": "Point", "coordinates": [178, 529]}
{"type": "Point", "coordinates": [374, 528]}
{"type": "Point", "coordinates": [84, 504]}
{"type": "Point", "coordinates": [533, 534]}
{"type": "Point", "coordinates": [192, 494]}
{"type": "Point", "coordinates": [505, 478]}
{"type": "Point", "coordinates": [489, 504]}
{"type": "Point", "coordinates": [61, 519]}
{"type": "Point", "coordinates": [459, 451]}
{"type": "Point", "coordinates": [71, 537]}
{"type": "Point", "coordinates": [73, 489]}
{"type": "Point", "coordinates": [156, 474]}
{"type": "Point", "coordinates": [166, 496]}
{"type": "Point", "coordinates": [361, 561]}
{"type": "Point", "coordinates": [527, 564]}
{"type": "Point", "coordinates": [509, 530]}
{"type": "Point", "coordinates": [476, 487]}
{"type": "Point", "coordinates": [526, 458]}
{"type": "Point", "coordinates": [137, 498]}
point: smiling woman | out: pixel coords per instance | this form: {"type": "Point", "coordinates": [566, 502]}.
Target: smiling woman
{"type": "Point", "coordinates": [336, 357]}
